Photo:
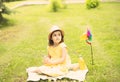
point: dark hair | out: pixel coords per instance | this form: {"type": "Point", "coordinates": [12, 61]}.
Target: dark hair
{"type": "Point", "coordinates": [51, 43]}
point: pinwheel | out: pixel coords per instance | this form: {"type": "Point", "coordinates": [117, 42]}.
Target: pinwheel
{"type": "Point", "coordinates": [87, 36]}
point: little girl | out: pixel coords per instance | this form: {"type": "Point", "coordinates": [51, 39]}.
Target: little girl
{"type": "Point", "coordinates": [58, 61]}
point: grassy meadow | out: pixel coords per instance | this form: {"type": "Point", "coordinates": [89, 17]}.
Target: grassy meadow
{"type": "Point", "coordinates": [23, 39]}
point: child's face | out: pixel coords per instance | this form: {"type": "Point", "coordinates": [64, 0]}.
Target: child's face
{"type": "Point", "coordinates": [56, 37]}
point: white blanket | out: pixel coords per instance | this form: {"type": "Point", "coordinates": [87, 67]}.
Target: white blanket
{"type": "Point", "coordinates": [76, 75]}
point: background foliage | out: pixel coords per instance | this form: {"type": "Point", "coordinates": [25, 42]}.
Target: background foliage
{"type": "Point", "coordinates": [92, 3]}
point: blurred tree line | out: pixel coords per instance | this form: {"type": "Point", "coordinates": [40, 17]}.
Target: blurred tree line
{"type": "Point", "coordinates": [54, 6]}
{"type": "Point", "coordinates": [4, 9]}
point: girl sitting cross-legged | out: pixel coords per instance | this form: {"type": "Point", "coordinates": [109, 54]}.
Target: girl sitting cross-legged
{"type": "Point", "coordinates": [57, 62]}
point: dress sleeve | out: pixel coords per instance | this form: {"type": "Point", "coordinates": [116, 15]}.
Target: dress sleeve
{"type": "Point", "coordinates": [63, 45]}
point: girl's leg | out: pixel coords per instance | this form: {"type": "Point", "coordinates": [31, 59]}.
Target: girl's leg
{"type": "Point", "coordinates": [34, 70]}
{"type": "Point", "coordinates": [74, 66]}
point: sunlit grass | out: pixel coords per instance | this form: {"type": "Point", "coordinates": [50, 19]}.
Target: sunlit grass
{"type": "Point", "coordinates": [24, 42]}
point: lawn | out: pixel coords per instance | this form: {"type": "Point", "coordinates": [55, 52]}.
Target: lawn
{"type": "Point", "coordinates": [23, 40]}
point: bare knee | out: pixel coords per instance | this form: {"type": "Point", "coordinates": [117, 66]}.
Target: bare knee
{"type": "Point", "coordinates": [37, 70]}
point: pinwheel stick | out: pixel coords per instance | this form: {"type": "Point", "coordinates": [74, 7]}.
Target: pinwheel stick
{"type": "Point", "coordinates": [92, 55]}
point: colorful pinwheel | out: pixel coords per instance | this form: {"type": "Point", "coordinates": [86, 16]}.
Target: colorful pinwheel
{"type": "Point", "coordinates": [87, 36]}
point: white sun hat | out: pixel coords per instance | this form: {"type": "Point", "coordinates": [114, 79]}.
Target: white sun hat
{"type": "Point", "coordinates": [53, 29]}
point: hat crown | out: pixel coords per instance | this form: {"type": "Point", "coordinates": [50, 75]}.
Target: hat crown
{"type": "Point", "coordinates": [54, 28]}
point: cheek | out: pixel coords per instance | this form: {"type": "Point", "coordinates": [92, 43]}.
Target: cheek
{"type": "Point", "coordinates": [53, 38]}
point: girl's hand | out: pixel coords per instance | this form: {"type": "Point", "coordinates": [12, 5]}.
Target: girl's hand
{"type": "Point", "coordinates": [46, 60]}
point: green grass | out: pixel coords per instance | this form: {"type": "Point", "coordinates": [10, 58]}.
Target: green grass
{"type": "Point", "coordinates": [23, 41]}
